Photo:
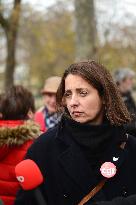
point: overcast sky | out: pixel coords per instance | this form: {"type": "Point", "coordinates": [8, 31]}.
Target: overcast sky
{"type": "Point", "coordinates": [40, 3]}
{"type": "Point", "coordinates": [123, 5]}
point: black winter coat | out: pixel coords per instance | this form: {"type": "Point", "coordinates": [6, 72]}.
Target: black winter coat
{"type": "Point", "coordinates": [68, 177]}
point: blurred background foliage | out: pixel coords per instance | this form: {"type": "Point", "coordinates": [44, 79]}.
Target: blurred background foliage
{"type": "Point", "coordinates": [47, 40]}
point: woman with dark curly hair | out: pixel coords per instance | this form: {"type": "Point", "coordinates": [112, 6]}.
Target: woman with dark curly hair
{"type": "Point", "coordinates": [17, 133]}
{"type": "Point", "coordinates": [88, 158]}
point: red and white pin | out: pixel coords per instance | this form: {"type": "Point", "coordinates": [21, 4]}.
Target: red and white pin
{"type": "Point", "coordinates": [108, 169]}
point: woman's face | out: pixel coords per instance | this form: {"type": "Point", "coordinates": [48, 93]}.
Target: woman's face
{"type": "Point", "coordinates": [82, 100]}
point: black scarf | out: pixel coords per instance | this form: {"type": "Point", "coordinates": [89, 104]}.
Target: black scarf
{"type": "Point", "coordinates": [94, 140]}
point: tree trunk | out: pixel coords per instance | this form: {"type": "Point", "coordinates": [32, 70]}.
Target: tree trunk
{"type": "Point", "coordinates": [10, 26]}
{"type": "Point", "coordinates": [10, 61]}
{"type": "Point", "coordinates": [86, 34]}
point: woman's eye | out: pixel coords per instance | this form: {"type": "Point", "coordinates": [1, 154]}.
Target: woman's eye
{"type": "Point", "coordinates": [66, 95]}
{"type": "Point", "coordinates": [83, 93]}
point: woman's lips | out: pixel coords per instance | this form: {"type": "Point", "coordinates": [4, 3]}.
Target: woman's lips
{"type": "Point", "coordinates": [77, 113]}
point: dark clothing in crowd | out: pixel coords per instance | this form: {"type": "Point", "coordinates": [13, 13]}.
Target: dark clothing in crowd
{"type": "Point", "coordinates": [130, 104]}
{"type": "Point", "coordinates": [51, 119]}
{"type": "Point", "coordinates": [77, 152]}
{"type": "Point", "coordinates": [46, 120]}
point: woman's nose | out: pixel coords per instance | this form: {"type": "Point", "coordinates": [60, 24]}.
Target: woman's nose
{"type": "Point", "coordinates": [74, 101]}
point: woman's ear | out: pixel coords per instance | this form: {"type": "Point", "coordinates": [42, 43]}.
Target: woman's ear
{"type": "Point", "coordinates": [30, 115]}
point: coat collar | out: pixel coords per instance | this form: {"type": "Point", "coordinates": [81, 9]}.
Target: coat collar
{"type": "Point", "coordinates": [76, 166]}
{"type": "Point", "coordinates": [16, 133]}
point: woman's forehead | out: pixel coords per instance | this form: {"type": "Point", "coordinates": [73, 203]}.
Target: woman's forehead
{"type": "Point", "coordinates": [76, 82]}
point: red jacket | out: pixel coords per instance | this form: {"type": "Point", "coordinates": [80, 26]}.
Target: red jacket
{"type": "Point", "coordinates": [15, 139]}
{"type": "Point", "coordinates": [39, 118]}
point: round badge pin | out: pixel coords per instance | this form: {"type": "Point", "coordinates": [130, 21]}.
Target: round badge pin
{"type": "Point", "coordinates": [108, 170]}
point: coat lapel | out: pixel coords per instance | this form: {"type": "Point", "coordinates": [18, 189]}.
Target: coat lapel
{"type": "Point", "coordinates": [77, 167]}
{"type": "Point", "coordinates": [116, 155]}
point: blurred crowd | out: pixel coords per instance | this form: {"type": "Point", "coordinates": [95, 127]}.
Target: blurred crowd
{"type": "Point", "coordinates": [125, 80]}
{"type": "Point", "coordinates": [21, 124]}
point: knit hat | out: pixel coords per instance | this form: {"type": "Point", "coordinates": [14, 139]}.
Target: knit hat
{"type": "Point", "coordinates": [122, 73]}
{"type": "Point", "coordinates": [51, 84]}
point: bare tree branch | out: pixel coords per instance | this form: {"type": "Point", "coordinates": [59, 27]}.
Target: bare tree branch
{"type": "Point", "coordinates": [10, 26]}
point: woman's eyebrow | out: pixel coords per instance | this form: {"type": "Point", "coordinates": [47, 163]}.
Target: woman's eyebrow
{"type": "Point", "coordinates": [77, 89]}
{"type": "Point", "coordinates": [66, 91]}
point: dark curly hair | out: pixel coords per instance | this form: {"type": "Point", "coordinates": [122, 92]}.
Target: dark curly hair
{"type": "Point", "coordinates": [100, 78]}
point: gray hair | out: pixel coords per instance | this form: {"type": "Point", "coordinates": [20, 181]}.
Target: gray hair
{"type": "Point", "coordinates": [123, 73]}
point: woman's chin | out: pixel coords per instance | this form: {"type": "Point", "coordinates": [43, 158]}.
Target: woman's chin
{"type": "Point", "coordinates": [80, 119]}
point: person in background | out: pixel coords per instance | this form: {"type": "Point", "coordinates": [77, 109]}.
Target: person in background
{"type": "Point", "coordinates": [124, 79]}
{"type": "Point", "coordinates": [17, 132]}
{"type": "Point", "coordinates": [47, 115]}
{"type": "Point", "coordinates": [88, 158]}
